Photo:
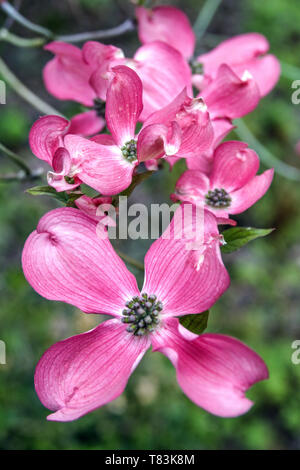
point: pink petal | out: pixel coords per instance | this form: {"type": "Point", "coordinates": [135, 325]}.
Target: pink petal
{"type": "Point", "coordinates": [234, 165]}
{"type": "Point", "coordinates": [168, 113]}
{"type": "Point", "coordinates": [65, 260]}
{"type": "Point", "coordinates": [265, 71]}
{"type": "Point", "coordinates": [226, 221]}
{"type": "Point", "coordinates": [67, 75]}
{"type": "Point", "coordinates": [221, 128]}
{"type": "Point", "coordinates": [46, 136]}
{"type": "Point", "coordinates": [249, 194]}
{"type": "Point", "coordinates": [234, 51]}
{"type": "Point", "coordinates": [84, 372]}
{"type": "Point", "coordinates": [101, 58]}
{"type": "Point", "coordinates": [156, 140]}
{"type": "Point", "coordinates": [228, 96]}
{"type": "Point", "coordinates": [86, 124]}
{"type": "Point", "coordinates": [203, 161]}
{"type": "Point", "coordinates": [97, 208]}
{"type": "Point", "coordinates": [100, 166]}
{"type": "Point", "coordinates": [197, 129]}
{"type": "Point", "coordinates": [164, 74]}
{"type": "Point", "coordinates": [61, 164]}
{"type": "Point", "coordinates": [192, 117]}
{"type": "Point", "coordinates": [192, 187]}
{"type": "Point", "coordinates": [103, 139]}
{"type": "Point", "coordinates": [167, 24]}
{"type": "Point", "coordinates": [100, 55]}
{"type": "Point", "coordinates": [213, 370]}
{"type": "Point", "coordinates": [99, 81]}
{"type": "Point", "coordinates": [184, 280]}
{"type": "Point", "coordinates": [123, 104]}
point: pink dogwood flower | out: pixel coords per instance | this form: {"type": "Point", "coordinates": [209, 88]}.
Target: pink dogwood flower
{"type": "Point", "coordinates": [83, 75]}
{"type": "Point", "coordinates": [232, 185]}
{"type": "Point", "coordinates": [104, 162]}
{"type": "Point", "coordinates": [228, 97]}
{"type": "Point", "coordinates": [64, 260]}
{"type": "Point", "coordinates": [245, 52]}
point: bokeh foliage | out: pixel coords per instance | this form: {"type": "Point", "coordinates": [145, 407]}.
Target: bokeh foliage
{"type": "Point", "coordinates": [261, 307]}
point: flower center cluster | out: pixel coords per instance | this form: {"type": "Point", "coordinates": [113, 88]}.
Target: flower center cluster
{"type": "Point", "coordinates": [99, 107]}
{"type": "Point", "coordinates": [142, 314]}
{"type": "Point", "coordinates": [218, 198]}
{"type": "Point", "coordinates": [129, 151]}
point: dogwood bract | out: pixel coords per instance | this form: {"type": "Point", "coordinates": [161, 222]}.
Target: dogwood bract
{"type": "Point", "coordinates": [245, 52]}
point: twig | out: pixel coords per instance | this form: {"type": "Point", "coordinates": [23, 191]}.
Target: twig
{"type": "Point", "coordinates": [101, 34]}
{"type": "Point", "coordinates": [130, 260]}
{"type": "Point", "coordinates": [5, 35]}
{"type": "Point", "coordinates": [13, 13]}
{"type": "Point", "coordinates": [124, 27]}
{"type": "Point", "coordinates": [10, 21]}
{"type": "Point", "coordinates": [288, 171]}
{"type": "Point", "coordinates": [205, 16]}
{"type": "Point", "coordinates": [24, 92]}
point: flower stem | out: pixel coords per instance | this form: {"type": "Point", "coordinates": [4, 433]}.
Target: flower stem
{"type": "Point", "coordinates": [5, 35]}
{"type": "Point", "coordinates": [283, 169]}
{"type": "Point", "coordinates": [205, 16]}
{"type": "Point", "coordinates": [130, 260]}
{"type": "Point", "coordinates": [100, 34]}
{"type": "Point", "coordinates": [123, 28]}
{"type": "Point", "coordinates": [16, 159]}
{"type": "Point", "coordinates": [24, 92]}
{"type": "Point", "coordinates": [13, 13]}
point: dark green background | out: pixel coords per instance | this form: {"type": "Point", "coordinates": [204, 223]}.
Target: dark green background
{"type": "Point", "coordinates": [261, 307]}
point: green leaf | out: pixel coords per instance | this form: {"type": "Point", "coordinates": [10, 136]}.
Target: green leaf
{"type": "Point", "coordinates": [48, 191]}
{"type": "Point", "coordinates": [196, 323]}
{"type": "Point", "coordinates": [67, 199]}
{"type": "Point", "coordinates": [236, 237]}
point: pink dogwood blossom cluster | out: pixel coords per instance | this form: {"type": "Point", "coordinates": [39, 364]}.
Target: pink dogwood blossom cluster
{"type": "Point", "coordinates": [65, 260]}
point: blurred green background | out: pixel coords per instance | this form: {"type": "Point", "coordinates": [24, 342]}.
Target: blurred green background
{"type": "Point", "coordinates": [261, 307]}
